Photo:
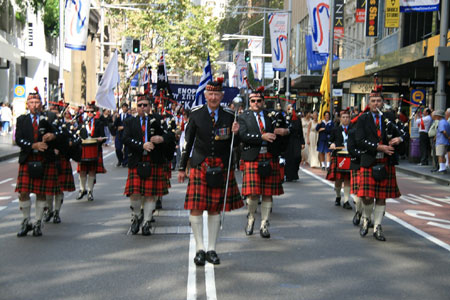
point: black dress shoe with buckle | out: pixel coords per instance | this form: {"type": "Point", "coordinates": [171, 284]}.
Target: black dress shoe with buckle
{"type": "Point", "coordinates": [135, 224]}
{"type": "Point", "coordinates": [199, 258]}
{"type": "Point", "coordinates": [56, 217]}
{"type": "Point", "coordinates": [37, 229]}
{"type": "Point", "coordinates": [26, 226]}
{"type": "Point", "coordinates": [264, 231]}
{"type": "Point", "coordinates": [337, 202]}
{"type": "Point", "coordinates": [48, 214]}
{"type": "Point", "coordinates": [146, 229]}
{"type": "Point", "coordinates": [347, 205]}
{"type": "Point", "coordinates": [211, 256]}
{"type": "Point", "coordinates": [356, 218]}
{"type": "Point", "coordinates": [249, 227]}
{"type": "Point", "coordinates": [90, 196]}
{"type": "Point", "coordinates": [378, 234]}
{"type": "Point", "coordinates": [364, 227]}
{"type": "Point", "coordinates": [81, 194]}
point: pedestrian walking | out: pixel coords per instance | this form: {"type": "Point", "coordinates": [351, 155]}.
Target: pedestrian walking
{"type": "Point", "coordinates": [324, 129]}
{"type": "Point", "coordinates": [312, 139]}
{"type": "Point", "coordinates": [119, 121]}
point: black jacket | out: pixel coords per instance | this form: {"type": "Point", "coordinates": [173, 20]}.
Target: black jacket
{"type": "Point", "coordinates": [337, 137]}
{"type": "Point", "coordinates": [118, 122]}
{"type": "Point", "coordinates": [209, 141]}
{"type": "Point", "coordinates": [295, 140]}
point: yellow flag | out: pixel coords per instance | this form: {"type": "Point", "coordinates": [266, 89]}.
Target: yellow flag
{"type": "Point", "coordinates": [325, 91]}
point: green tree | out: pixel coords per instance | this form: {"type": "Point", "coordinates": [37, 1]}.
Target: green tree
{"type": "Point", "coordinates": [49, 10]}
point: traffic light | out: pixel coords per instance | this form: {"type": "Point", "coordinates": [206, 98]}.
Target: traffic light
{"type": "Point", "coordinates": [276, 85]}
{"type": "Point", "coordinates": [247, 55]}
{"type": "Point", "coordinates": [136, 46]}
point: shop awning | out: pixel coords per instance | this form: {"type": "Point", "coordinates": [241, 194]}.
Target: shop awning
{"type": "Point", "coordinates": [9, 52]}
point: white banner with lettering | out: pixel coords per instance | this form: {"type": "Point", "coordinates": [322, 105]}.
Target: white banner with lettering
{"type": "Point", "coordinates": [278, 40]}
{"type": "Point", "coordinates": [255, 46]}
{"type": "Point", "coordinates": [76, 24]}
{"type": "Point", "coordinates": [419, 5]}
{"type": "Point", "coordinates": [319, 19]}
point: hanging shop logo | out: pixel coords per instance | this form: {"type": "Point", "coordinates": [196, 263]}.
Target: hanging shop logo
{"type": "Point", "coordinates": [418, 96]}
{"type": "Point", "coordinates": [338, 19]}
{"type": "Point", "coordinates": [372, 18]}
{"type": "Point", "coordinates": [19, 91]}
{"type": "Point", "coordinates": [360, 14]}
{"type": "Point", "coordinates": [392, 17]}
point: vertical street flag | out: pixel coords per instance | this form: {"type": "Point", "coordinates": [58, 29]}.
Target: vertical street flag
{"type": "Point", "coordinates": [76, 26]}
{"type": "Point", "coordinates": [319, 19]}
{"type": "Point", "coordinates": [325, 91]}
{"type": "Point", "coordinates": [338, 19]}
{"type": "Point", "coordinates": [372, 18]}
{"type": "Point", "coordinates": [278, 40]}
{"type": "Point", "coordinates": [162, 83]}
{"type": "Point", "coordinates": [110, 80]}
{"type": "Point", "coordinates": [392, 17]}
{"type": "Point", "coordinates": [255, 46]}
{"type": "Point", "coordinates": [360, 11]}
{"type": "Point", "coordinates": [241, 70]}
{"type": "Point", "coordinates": [206, 77]}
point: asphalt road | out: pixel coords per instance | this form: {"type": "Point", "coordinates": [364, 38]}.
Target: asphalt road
{"type": "Point", "coordinates": [315, 252]}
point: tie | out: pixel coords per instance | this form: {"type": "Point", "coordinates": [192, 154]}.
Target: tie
{"type": "Point", "coordinates": [345, 130]}
{"type": "Point", "coordinates": [92, 127]}
{"type": "Point", "coordinates": [143, 129]}
{"type": "Point", "coordinates": [377, 122]}
{"type": "Point", "coordinates": [261, 125]}
{"type": "Point", "coordinates": [35, 128]}
{"type": "Point", "coordinates": [422, 124]}
{"type": "Point", "coordinates": [213, 114]}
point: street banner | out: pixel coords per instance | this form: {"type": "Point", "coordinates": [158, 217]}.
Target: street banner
{"type": "Point", "coordinates": [319, 19]}
{"type": "Point", "coordinates": [77, 22]}
{"type": "Point", "coordinates": [392, 17]}
{"type": "Point", "coordinates": [110, 80]}
{"type": "Point", "coordinates": [232, 75]}
{"type": "Point", "coordinates": [206, 77]}
{"type": "Point", "coordinates": [372, 18]}
{"type": "Point", "coordinates": [315, 60]}
{"type": "Point", "coordinates": [419, 5]}
{"type": "Point", "coordinates": [325, 91]}
{"type": "Point", "coordinates": [278, 40]}
{"type": "Point", "coordinates": [241, 70]}
{"type": "Point", "coordinates": [255, 46]}
{"type": "Point", "coordinates": [360, 11]}
{"type": "Point", "coordinates": [338, 19]}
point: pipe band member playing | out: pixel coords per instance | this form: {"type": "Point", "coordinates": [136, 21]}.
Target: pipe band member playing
{"type": "Point", "coordinates": [147, 139]}
{"type": "Point", "coordinates": [38, 174]}
{"type": "Point", "coordinates": [338, 143]}
{"type": "Point", "coordinates": [92, 129]}
{"type": "Point", "coordinates": [211, 127]}
{"type": "Point", "coordinates": [261, 143]}
{"type": "Point", "coordinates": [377, 179]}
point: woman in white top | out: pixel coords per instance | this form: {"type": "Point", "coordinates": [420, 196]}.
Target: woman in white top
{"type": "Point", "coordinates": [311, 141]}
{"type": "Point", "coordinates": [6, 118]}
{"type": "Point", "coordinates": [306, 120]}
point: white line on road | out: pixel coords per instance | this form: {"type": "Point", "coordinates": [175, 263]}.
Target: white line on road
{"type": "Point", "coordinates": [5, 197]}
{"type": "Point", "coordinates": [2, 207]}
{"type": "Point", "coordinates": [192, 274]}
{"type": "Point", "coordinates": [6, 180]}
{"type": "Point", "coordinates": [210, 281]}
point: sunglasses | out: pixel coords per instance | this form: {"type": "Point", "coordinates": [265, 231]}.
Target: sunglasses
{"type": "Point", "coordinates": [142, 105]}
{"type": "Point", "coordinates": [89, 111]}
{"type": "Point", "coordinates": [255, 100]}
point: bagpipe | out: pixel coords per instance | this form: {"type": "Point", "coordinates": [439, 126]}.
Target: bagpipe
{"type": "Point", "coordinates": [392, 130]}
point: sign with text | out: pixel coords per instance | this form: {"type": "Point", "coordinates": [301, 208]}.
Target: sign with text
{"type": "Point", "coordinates": [360, 15]}
{"type": "Point", "coordinates": [338, 19]}
{"type": "Point", "coordinates": [392, 17]}
{"type": "Point", "coordinates": [419, 5]}
{"type": "Point", "coordinates": [372, 18]}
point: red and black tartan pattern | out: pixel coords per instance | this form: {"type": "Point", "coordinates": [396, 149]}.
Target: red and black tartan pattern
{"type": "Point", "coordinates": [96, 166]}
{"type": "Point", "coordinates": [241, 165]}
{"type": "Point", "coordinates": [354, 182]}
{"type": "Point", "coordinates": [168, 173]}
{"type": "Point", "coordinates": [154, 185]}
{"type": "Point", "coordinates": [201, 197]}
{"type": "Point", "coordinates": [253, 184]}
{"type": "Point", "coordinates": [333, 173]}
{"type": "Point", "coordinates": [386, 188]}
{"type": "Point", "coordinates": [47, 185]}
{"type": "Point", "coordinates": [65, 175]}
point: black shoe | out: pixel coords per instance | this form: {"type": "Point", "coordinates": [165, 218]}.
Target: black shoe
{"type": "Point", "coordinates": [323, 168]}
{"type": "Point", "coordinates": [81, 194]}
{"type": "Point", "coordinates": [378, 234]}
{"type": "Point", "coordinates": [125, 165]}
{"type": "Point", "coordinates": [146, 229]}
{"type": "Point", "coordinates": [56, 218]}
{"type": "Point", "coordinates": [264, 231]}
{"type": "Point", "coordinates": [48, 214]}
{"type": "Point", "coordinates": [364, 227]}
{"type": "Point", "coordinates": [347, 205]}
{"type": "Point", "coordinates": [211, 256]}
{"type": "Point", "coordinates": [357, 218]}
{"type": "Point", "coordinates": [135, 224]}
{"type": "Point", "coordinates": [249, 227]}
{"type": "Point", "coordinates": [119, 164]}
{"type": "Point", "coordinates": [199, 258]}
{"type": "Point", "coordinates": [26, 226]}
{"type": "Point", "coordinates": [37, 229]}
{"type": "Point", "coordinates": [90, 196]}
{"type": "Point", "coordinates": [158, 204]}
{"type": "Point", "coordinates": [434, 170]}
{"type": "Point", "coordinates": [337, 202]}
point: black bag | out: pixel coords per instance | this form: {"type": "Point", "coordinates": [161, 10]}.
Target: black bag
{"type": "Point", "coordinates": [214, 177]}
{"type": "Point", "coordinates": [144, 170]}
{"type": "Point", "coordinates": [379, 172]}
{"type": "Point", "coordinates": [35, 169]}
{"type": "Point", "coordinates": [264, 168]}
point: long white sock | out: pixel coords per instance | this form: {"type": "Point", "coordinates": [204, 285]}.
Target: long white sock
{"type": "Point", "coordinates": [378, 215]}
{"type": "Point", "coordinates": [367, 210]}
{"type": "Point", "coordinates": [328, 164]}
{"type": "Point", "coordinates": [91, 180]}
{"type": "Point", "coordinates": [40, 205]}
{"type": "Point", "coordinates": [337, 188]}
{"type": "Point", "coordinates": [49, 200]}
{"type": "Point", "coordinates": [149, 207]}
{"type": "Point", "coordinates": [322, 164]}
{"type": "Point", "coordinates": [442, 166]}
{"type": "Point", "coordinates": [265, 211]}
{"type": "Point", "coordinates": [135, 206]}
{"type": "Point", "coordinates": [213, 231]}
{"type": "Point", "coordinates": [58, 201]}
{"type": "Point", "coordinates": [358, 203]}
{"type": "Point", "coordinates": [252, 207]}
{"type": "Point", "coordinates": [346, 192]}
{"type": "Point", "coordinates": [197, 230]}
{"type": "Point", "coordinates": [25, 208]}
{"type": "Point", "coordinates": [83, 179]}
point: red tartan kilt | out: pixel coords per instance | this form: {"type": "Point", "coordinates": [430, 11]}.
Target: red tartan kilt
{"type": "Point", "coordinates": [241, 165]}
{"type": "Point", "coordinates": [96, 166]}
{"type": "Point", "coordinates": [253, 184]}
{"type": "Point", "coordinates": [201, 197]}
{"type": "Point", "coordinates": [333, 173]}
{"type": "Point", "coordinates": [168, 173]}
{"type": "Point", "coordinates": [154, 185]}
{"type": "Point", "coordinates": [65, 176]}
{"type": "Point", "coordinates": [47, 185]}
{"type": "Point", "coordinates": [354, 182]}
{"type": "Point", "coordinates": [368, 187]}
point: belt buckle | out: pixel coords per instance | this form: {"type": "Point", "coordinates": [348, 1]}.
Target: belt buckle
{"type": "Point", "coordinates": [380, 155]}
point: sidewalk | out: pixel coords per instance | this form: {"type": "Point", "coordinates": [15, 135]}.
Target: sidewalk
{"type": "Point", "coordinates": [7, 149]}
{"type": "Point", "coordinates": [423, 172]}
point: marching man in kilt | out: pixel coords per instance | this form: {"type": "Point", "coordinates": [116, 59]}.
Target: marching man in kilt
{"type": "Point", "coordinates": [338, 142]}
{"type": "Point", "coordinates": [377, 179]}
{"type": "Point", "coordinates": [147, 139]}
{"type": "Point", "coordinates": [37, 170]}
{"type": "Point", "coordinates": [93, 128]}
{"type": "Point", "coordinates": [261, 148]}
{"type": "Point", "coordinates": [211, 127]}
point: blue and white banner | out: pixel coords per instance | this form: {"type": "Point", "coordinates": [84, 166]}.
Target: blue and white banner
{"type": "Point", "coordinates": [240, 72]}
{"type": "Point", "coordinates": [315, 60]}
{"type": "Point", "coordinates": [278, 39]}
{"type": "Point", "coordinates": [319, 19]}
{"type": "Point", "coordinates": [419, 5]}
{"type": "Point", "coordinates": [206, 77]}
{"type": "Point", "coordinates": [255, 46]}
{"type": "Point", "coordinates": [76, 23]}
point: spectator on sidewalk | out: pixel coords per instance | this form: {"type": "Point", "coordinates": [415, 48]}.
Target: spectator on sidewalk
{"type": "Point", "coordinates": [424, 122]}
{"type": "Point", "coordinates": [432, 136]}
{"type": "Point", "coordinates": [6, 116]}
{"type": "Point", "coordinates": [442, 139]}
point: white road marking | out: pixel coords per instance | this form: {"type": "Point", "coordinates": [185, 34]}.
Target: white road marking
{"type": "Point", "coordinates": [172, 230]}
{"type": "Point", "coordinates": [6, 180]}
{"type": "Point", "coordinates": [2, 207]}
{"type": "Point", "coordinates": [5, 197]}
{"type": "Point", "coordinates": [210, 282]}
{"type": "Point", "coordinates": [15, 201]}
{"type": "Point", "coordinates": [192, 273]}
{"type": "Point", "coordinates": [171, 213]}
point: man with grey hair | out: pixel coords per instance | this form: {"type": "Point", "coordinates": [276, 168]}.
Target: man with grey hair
{"type": "Point", "coordinates": [442, 139]}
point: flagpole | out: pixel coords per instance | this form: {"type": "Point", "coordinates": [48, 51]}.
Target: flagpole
{"type": "Point", "coordinates": [330, 55]}
{"type": "Point", "coordinates": [61, 48]}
